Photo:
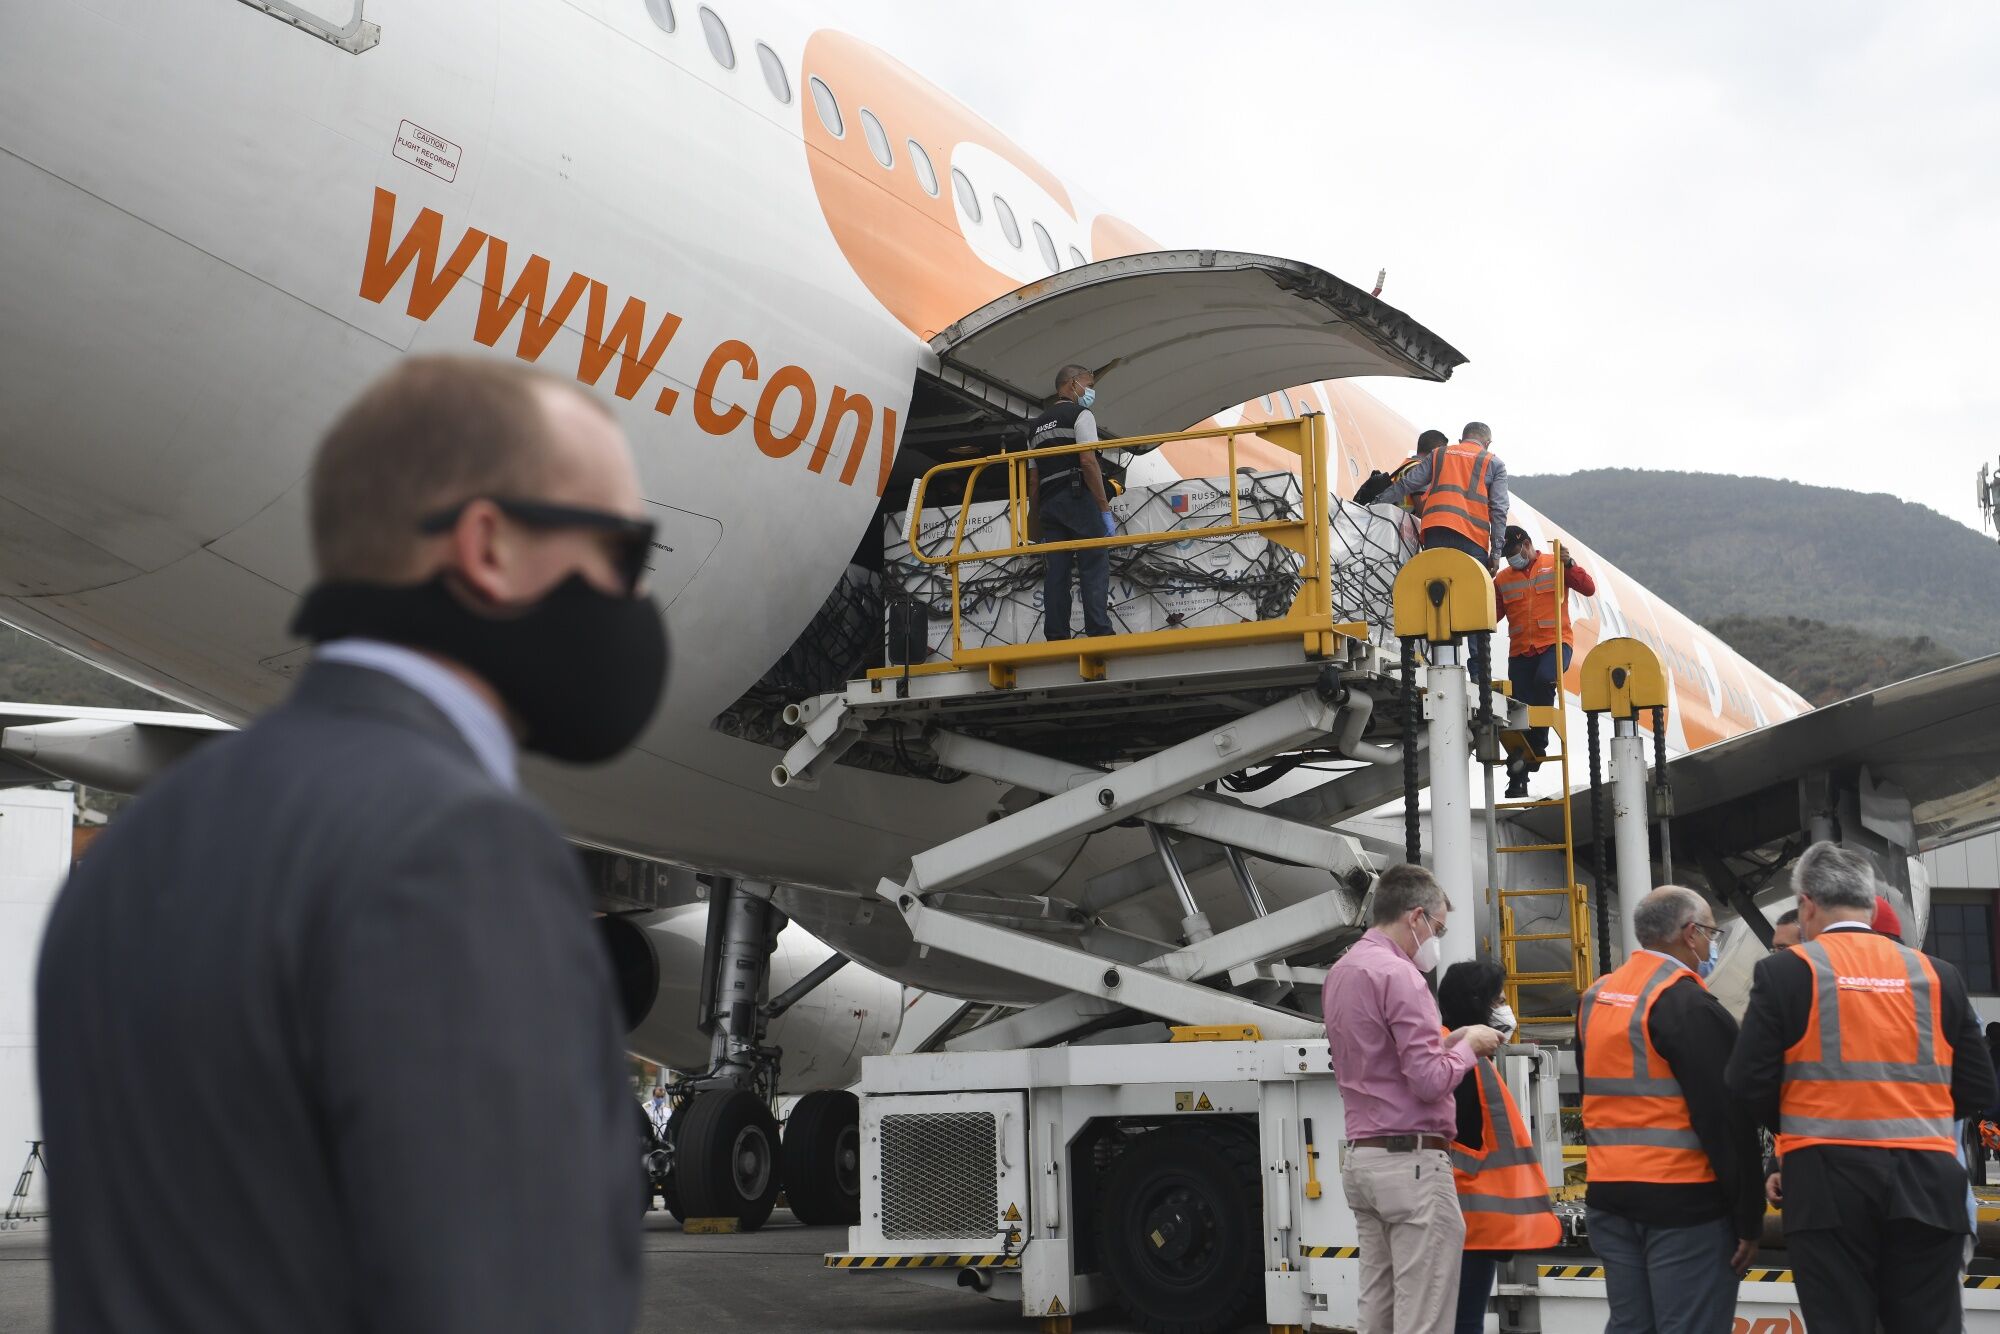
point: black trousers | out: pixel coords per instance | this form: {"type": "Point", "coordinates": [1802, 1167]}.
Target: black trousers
{"type": "Point", "coordinates": [1454, 541]}
{"type": "Point", "coordinates": [1534, 678]}
{"type": "Point", "coordinates": [1900, 1274]}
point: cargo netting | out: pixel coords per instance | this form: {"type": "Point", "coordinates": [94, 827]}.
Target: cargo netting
{"type": "Point", "coordinates": [1206, 578]}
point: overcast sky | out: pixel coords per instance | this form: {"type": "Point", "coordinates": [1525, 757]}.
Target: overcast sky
{"type": "Point", "coordinates": [1721, 237]}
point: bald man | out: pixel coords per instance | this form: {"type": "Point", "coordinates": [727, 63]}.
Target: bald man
{"type": "Point", "coordinates": [314, 941]}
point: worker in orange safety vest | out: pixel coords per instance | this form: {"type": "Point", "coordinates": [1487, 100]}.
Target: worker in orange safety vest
{"type": "Point", "coordinates": [1501, 1189]}
{"type": "Point", "coordinates": [1526, 589]}
{"type": "Point", "coordinates": [1462, 492]}
{"type": "Point", "coordinates": [1675, 1202]}
{"type": "Point", "coordinates": [1860, 1053]}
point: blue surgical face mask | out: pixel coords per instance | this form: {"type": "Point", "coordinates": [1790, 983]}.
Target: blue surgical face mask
{"type": "Point", "coordinates": [1087, 397]}
{"type": "Point", "coordinates": [1707, 966]}
{"type": "Point", "coordinates": [1521, 562]}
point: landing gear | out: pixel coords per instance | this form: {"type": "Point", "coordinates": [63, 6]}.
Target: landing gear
{"type": "Point", "coordinates": [726, 1158]}
{"type": "Point", "coordinates": [1179, 1224]}
{"type": "Point", "coordinates": [822, 1161]}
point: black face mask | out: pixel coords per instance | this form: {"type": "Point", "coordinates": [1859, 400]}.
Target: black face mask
{"type": "Point", "coordinates": [581, 668]}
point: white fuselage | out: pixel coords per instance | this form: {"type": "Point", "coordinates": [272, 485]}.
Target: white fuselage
{"type": "Point", "coordinates": [218, 228]}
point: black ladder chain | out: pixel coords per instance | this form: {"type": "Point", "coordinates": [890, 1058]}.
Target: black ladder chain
{"type": "Point", "coordinates": [1482, 679]}
{"type": "Point", "coordinates": [1603, 874]}
{"type": "Point", "coordinates": [1412, 715]}
{"type": "Point", "coordinates": [1660, 791]}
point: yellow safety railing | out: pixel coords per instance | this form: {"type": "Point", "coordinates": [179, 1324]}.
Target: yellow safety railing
{"type": "Point", "coordinates": [1310, 616]}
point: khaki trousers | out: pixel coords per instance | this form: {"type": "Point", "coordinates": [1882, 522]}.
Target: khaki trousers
{"type": "Point", "coordinates": [1411, 1236]}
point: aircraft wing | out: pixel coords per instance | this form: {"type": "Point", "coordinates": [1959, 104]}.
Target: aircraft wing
{"type": "Point", "coordinates": [1934, 738]}
{"type": "Point", "coordinates": [119, 750]}
{"type": "Point", "coordinates": [1899, 770]}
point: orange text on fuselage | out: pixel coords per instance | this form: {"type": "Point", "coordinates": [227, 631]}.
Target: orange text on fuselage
{"type": "Point", "coordinates": [788, 406]}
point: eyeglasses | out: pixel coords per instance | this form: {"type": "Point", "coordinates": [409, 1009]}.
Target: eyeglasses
{"type": "Point", "coordinates": [1437, 927]}
{"type": "Point", "coordinates": [632, 540]}
{"type": "Point", "coordinates": [1716, 933]}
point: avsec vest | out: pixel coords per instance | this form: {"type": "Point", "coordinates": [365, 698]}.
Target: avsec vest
{"type": "Point", "coordinates": [1636, 1124]}
{"type": "Point", "coordinates": [1055, 427]}
{"type": "Point", "coordinates": [1501, 1190]}
{"type": "Point", "coordinates": [1871, 1069]}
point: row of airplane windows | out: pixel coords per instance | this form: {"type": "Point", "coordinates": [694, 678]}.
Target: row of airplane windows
{"type": "Point", "coordinates": [716, 33]}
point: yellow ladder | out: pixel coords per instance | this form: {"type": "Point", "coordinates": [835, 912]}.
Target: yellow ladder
{"type": "Point", "coordinates": [1580, 972]}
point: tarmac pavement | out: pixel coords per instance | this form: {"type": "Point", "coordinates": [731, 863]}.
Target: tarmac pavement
{"type": "Point", "coordinates": [771, 1281]}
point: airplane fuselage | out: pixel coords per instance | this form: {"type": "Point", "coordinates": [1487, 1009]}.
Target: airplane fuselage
{"type": "Point", "coordinates": [219, 227]}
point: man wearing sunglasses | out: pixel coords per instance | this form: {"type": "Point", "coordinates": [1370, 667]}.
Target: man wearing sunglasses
{"type": "Point", "coordinates": [314, 940]}
{"type": "Point", "coordinates": [1675, 1204]}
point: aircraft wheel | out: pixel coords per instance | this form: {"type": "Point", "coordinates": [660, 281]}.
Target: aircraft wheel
{"type": "Point", "coordinates": [726, 1158]}
{"type": "Point", "coordinates": [823, 1158]}
{"type": "Point", "coordinates": [1178, 1229]}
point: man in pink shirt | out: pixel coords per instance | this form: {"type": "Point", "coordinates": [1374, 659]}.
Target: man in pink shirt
{"type": "Point", "coordinates": [1396, 1074]}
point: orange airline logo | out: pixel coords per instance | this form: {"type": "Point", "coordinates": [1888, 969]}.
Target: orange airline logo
{"type": "Point", "coordinates": [1789, 1323]}
{"type": "Point", "coordinates": [790, 408]}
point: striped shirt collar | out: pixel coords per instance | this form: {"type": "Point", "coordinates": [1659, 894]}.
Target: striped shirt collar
{"type": "Point", "coordinates": [485, 732]}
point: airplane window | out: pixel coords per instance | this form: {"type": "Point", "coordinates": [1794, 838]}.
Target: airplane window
{"type": "Point", "coordinates": [829, 110]}
{"type": "Point", "coordinates": [926, 173]}
{"type": "Point", "coordinates": [774, 73]}
{"type": "Point", "coordinates": [1285, 397]}
{"type": "Point", "coordinates": [718, 39]}
{"type": "Point", "coordinates": [1048, 247]}
{"type": "Point", "coordinates": [662, 12]}
{"type": "Point", "coordinates": [877, 137]}
{"type": "Point", "coordinates": [968, 199]}
{"type": "Point", "coordinates": [1269, 406]}
{"type": "Point", "coordinates": [1008, 226]}
{"type": "Point", "coordinates": [1076, 257]}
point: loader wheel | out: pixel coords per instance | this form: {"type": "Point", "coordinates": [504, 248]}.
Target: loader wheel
{"type": "Point", "coordinates": [1178, 1229]}
{"type": "Point", "coordinates": [823, 1158]}
{"type": "Point", "coordinates": [726, 1158]}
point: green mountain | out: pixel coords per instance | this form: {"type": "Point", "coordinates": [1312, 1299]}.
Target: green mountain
{"type": "Point", "coordinates": [1828, 662]}
{"type": "Point", "coordinates": [1718, 546]}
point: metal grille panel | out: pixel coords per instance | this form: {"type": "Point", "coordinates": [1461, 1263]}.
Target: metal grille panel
{"type": "Point", "coordinates": [939, 1175]}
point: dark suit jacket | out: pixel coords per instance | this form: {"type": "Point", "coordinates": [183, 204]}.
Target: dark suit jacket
{"type": "Point", "coordinates": [328, 1042]}
{"type": "Point", "coordinates": [1906, 1184]}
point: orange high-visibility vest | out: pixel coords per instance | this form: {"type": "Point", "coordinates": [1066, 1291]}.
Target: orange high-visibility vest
{"type": "Point", "coordinates": [1529, 599]}
{"type": "Point", "coordinates": [1873, 1067]}
{"type": "Point", "coordinates": [1457, 499]}
{"type": "Point", "coordinates": [1501, 1189]}
{"type": "Point", "coordinates": [1636, 1124]}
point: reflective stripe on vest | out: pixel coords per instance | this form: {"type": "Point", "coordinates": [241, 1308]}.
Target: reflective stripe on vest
{"type": "Point", "coordinates": [1636, 1124]}
{"type": "Point", "coordinates": [1528, 597]}
{"type": "Point", "coordinates": [1501, 1191]}
{"type": "Point", "coordinates": [1880, 1001]}
{"type": "Point", "coordinates": [1457, 498]}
